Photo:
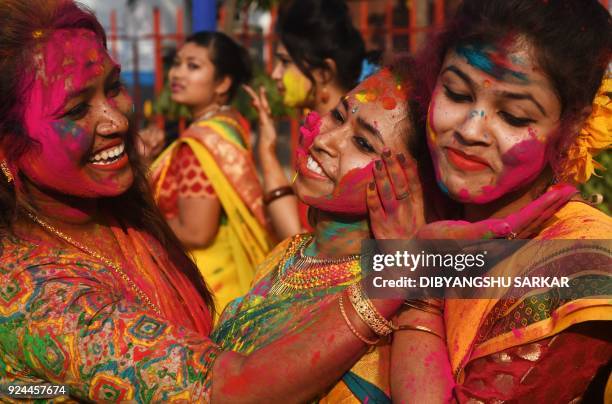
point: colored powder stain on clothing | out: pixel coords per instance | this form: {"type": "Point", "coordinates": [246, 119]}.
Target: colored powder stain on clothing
{"type": "Point", "coordinates": [316, 357]}
{"type": "Point", "coordinates": [494, 63]}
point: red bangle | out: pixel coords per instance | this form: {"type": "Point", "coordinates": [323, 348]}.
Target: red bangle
{"type": "Point", "coordinates": [277, 193]}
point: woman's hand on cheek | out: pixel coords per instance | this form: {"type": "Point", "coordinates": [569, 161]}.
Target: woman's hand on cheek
{"type": "Point", "coordinates": [395, 198]}
{"type": "Point", "coordinates": [519, 224]}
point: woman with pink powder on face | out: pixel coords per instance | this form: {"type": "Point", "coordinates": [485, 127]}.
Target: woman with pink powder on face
{"type": "Point", "coordinates": [338, 158]}
{"type": "Point", "coordinates": [96, 292]}
{"type": "Point", "coordinates": [515, 99]}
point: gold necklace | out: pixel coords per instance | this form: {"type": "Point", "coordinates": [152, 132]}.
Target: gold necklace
{"type": "Point", "coordinates": [114, 266]}
{"type": "Point", "coordinates": [307, 272]}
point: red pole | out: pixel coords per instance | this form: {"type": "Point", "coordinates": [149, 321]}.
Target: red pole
{"type": "Point", "coordinates": [180, 36]}
{"type": "Point", "coordinates": [113, 22]}
{"type": "Point", "coordinates": [412, 28]}
{"type": "Point", "coordinates": [389, 27]}
{"type": "Point", "coordinates": [439, 13]}
{"type": "Point", "coordinates": [136, 90]}
{"type": "Point", "coordinates": [246, 37]}
{"type": "Point", "coordinates": [363, 20]}
{"type": "Point", "coordinates": [180, 30]}
{"type": "Point", "coordinates": [159, 67]}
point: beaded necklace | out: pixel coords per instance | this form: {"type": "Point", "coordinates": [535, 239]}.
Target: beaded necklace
{"type": "Point", "coordinates": [297, 271]}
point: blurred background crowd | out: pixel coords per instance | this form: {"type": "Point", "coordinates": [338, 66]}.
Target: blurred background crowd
{"type": "Point", "coordinates": [144, 35]}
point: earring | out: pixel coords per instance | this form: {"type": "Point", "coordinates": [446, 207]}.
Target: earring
{"type": "Point", "coordinates": [324, 95]}
{"type": "Point", "coordinates": [6, 171]}
{"type": "Point", "coordinates": [294, 178]}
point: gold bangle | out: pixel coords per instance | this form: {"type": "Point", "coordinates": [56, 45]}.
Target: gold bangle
{"type": "Point", "coordinates": [366, 311]}
{"type": "Point", "coordinates": [423, 305]}
{"type": "Point", "coordinates": [421, 328]}
{"type": "Point", "coordinates": [353, 329]}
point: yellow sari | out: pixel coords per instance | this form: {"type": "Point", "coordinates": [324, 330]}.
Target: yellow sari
{"type": "Point", "coordinates": [242, 241]}
{"type": "Point", "coordinates": [479, 328]}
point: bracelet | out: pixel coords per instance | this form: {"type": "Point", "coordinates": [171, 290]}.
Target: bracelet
{"type": "Point", "coordinates": [434, 306]}
{"type": "Point", "coordinates": [419, 328]}
{"type": "Point", "coordinates": [366, 311]}
{"type": "Point", "coordinates": [353, 329]}
{"type": "Point", "coordinates": [277, 193]}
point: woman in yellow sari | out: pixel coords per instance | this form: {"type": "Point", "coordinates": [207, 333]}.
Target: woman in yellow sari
{"type": "Point", "coordinates": [205, 182]}
{"type": "Point", "coordinates": [512, 107]}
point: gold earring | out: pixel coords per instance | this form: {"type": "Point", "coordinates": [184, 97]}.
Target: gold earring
{"type": "Point", "coordinates": [294, 178]}
{"type": "Point", "coordinates": [6, 171]}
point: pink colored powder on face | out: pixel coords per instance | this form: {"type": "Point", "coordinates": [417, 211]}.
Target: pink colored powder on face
{"type": "Point", "coordinates": [464, 194]}
{"type": "Point", "coordinates": [71, 60]}
{"type": "Point", "coordinates": [522, 164]}
{"type": "Point", "coordinates": [349, 195]}
{"type": "Point", "coordinates": [310, 130]}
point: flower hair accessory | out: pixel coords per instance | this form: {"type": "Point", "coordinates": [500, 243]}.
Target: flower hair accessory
{"type": "Point", "coordinates": [367, 69]}
{"type": "Point", "coordinates": [595, 136]}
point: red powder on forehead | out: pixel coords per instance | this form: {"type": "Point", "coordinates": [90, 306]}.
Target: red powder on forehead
{"type": "Point", "coordinates": [389, 103]}
{"type": "Point", "coordinates": [383, 86]}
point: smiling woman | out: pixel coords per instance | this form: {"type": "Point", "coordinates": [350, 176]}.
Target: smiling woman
{"type": "Point", "coordinates": [84, 88]}
{"type": "Point", "coordinates": [516, 103]}
{"type": "Point", "coordinates": [96, 292]}
{"type": "Point", "coordinates": [336, 157]}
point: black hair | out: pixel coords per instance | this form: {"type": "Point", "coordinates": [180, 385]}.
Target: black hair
{"type": "Point", "coordinates": [315, 30]}
{"type": "Point", "coordinates": [572, 40]}
{"type": "Point", "coordinates": [134, 208]}
{"type": "Point", "coordinates": [229, 58]}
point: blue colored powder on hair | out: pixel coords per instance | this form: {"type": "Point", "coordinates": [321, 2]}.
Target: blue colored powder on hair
{"type": "Point", "coordinates": [477, 56]}
{"type": "Point", "coordinates": [443, 187]}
